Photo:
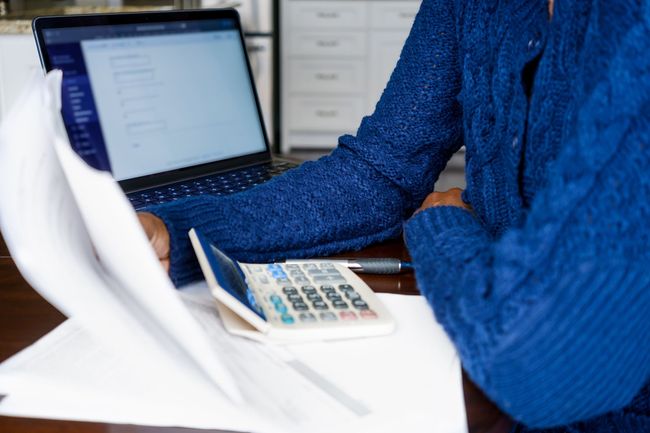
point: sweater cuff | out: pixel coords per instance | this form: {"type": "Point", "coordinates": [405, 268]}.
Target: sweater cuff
{"type": "Point", "coordinates": [439, 219]}
{"type": "Point", "coordinates": [183, 265]}
{"type": "Point", "coordinates": [441, 241]}
{"type": "Point", "coordinates": [448, 231]}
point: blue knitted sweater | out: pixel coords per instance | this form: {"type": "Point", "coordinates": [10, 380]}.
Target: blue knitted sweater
{"type": "Point", "coordinates": [544, 286]}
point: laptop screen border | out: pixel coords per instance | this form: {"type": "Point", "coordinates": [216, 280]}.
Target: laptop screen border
{"type": "Point", "coordinates": [40, 24]}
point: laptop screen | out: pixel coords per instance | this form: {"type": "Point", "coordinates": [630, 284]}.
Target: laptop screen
{"type": "Point", "coordinates": [141, 99]}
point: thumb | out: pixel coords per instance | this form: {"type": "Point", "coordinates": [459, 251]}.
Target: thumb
{"type": "Point", "coordinates": [157, 233]}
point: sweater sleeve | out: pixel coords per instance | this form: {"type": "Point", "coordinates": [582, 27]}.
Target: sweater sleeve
{"type": "Point", "coordinates": [360, 193]}
{"type": "Point", "coordinates": [551, 319]}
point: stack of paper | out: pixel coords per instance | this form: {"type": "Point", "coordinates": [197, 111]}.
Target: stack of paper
{"type": "Point", "coordinates": [135, 351]}
{"type": "Point", "coordinates": [410, 381]}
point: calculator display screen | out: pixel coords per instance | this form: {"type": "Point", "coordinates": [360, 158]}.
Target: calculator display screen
{"type": "Point", "coordinates": [231, 278]}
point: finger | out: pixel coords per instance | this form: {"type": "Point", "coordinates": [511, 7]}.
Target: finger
{"type": "Point", "coordinates": [165, 264]}
{"type": "Point", "coordinates": [160, 244]}
{"type": "Point", "coordinates": [157, 233]}
{"type": "Point", "coordinates": [145, 222]}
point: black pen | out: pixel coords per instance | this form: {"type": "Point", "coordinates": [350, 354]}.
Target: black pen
{"type": "Point", "coordinates": [365, 266]}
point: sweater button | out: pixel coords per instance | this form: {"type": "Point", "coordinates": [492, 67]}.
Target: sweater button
{"type": "Point", "coordinates": [515, 142]}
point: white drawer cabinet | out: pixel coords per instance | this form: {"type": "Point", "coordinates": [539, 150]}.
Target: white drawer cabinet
{"type": "Point", "coordinates": [325, 114]}
{"type": "Point", "coordinates": [327, 76]}
{"type": "Point", "coordinates": [18, 60]}
{"type": "Point", "coordinates": [327, 14]}
{"type": "Point", "coordinates": [337, 56]}
{"type": "Point", "coordinates": [319, 44]}
{"type": "Point", "coordinates": [392, 14]}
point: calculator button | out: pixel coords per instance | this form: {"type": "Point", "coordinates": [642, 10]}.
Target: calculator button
{"type": "Point", "coordinates": [308, 266]}
{"type": "Point", "coordinates": [294, 297]}
{"type": "Point", "coordinates": [300, 306]}
{"type": "Point", "coordinates": [308, 289]}
{"type": "Point", "coordinates": [339, 305]}
{"type": "Point", "coordinates": [320, 305]}
{"type": "Point", "coordinates": [292, 267]}
{"type": "Point", "coordinates": [301, 280]}
{"type": "Point", "coordinates": [280, 308]}
{"type": "Point", "coordinates": [327, 289]}
{"type": "Point", "coordinates": [275, 299]}
{"type": "Point", "coordinates": [328, 279]}
{"type": "Point", "coordinates": [360, 304]}
{"type": "Point", "coordinates": [368, 314]}
{"type": "Point", "coordinates": [326, 265]}
{"type": "Point", "coordinates": [297, 273]}
{"type": "Point", "coordinates": [307, 317]}
{"type": "Point", "coordinates": [263, 280]}
{"type": "Point", "coordinates": [278, 274]}
{"type": "Point", "coordinates": [345, 287]}
{"type": "Point", "coordinates": [328, 316]}
{"type": "Point", "coordinates": [352, 295]}
{"type": "Point", "coordinates": [314, 297]}
{"type": "Point", "coordinates": [289, 289]}
{"type": "Point", "coordinates": [282, 280]}
{"type": "Point", "coordinates": [333, 296]}
{"type": "Point", "coordinates": [347, 315]}
{"type": "Point", "coordinates": [288, 319]}
{"type": "Point", "coordinates": [273, 267]}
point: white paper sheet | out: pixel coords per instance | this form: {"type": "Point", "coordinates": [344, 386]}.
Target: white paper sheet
{"type": "Point", "coordinates": [410, 379]}
{"type": "Point", "coordinates": [68, 375]}
{"type": "Point", "coordinates": [416, 370]}
{"type": "Point", "coordinates": [138, 279]}
{"type": "Point", "coordinates": [47, 235]}
{"type": "Point", "coordinates": [139, 355]}
{"type": "Point", "coordinates": [78, 242]}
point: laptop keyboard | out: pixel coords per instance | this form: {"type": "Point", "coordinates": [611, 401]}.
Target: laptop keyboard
{"type": "Point", "coordinates": [217, 184]}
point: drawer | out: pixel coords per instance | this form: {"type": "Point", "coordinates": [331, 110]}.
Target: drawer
{"type": "Point", "coordinates": [325, 114]}
{"type": "Point", "coordinates": [327, 14]}
{"type": "Point", "coordinates": [328, 44]}
{"type": "Point", "coordinates": [393, 14]}
{"type": "Point", "coordinates": [335, 76]}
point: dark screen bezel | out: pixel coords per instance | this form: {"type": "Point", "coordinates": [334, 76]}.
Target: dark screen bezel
{"type": "Point", "coordinates": [129, 185]}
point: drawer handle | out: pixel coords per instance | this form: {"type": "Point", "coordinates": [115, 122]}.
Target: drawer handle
{"type": "Point", "coordinates": [328, 15]}
{"type": "Point", "coordinates": [327, 113]}
{"type": "Point", "coordinates": [322, 76]}
{"type": "Point", "coordinates": [407, 15]}
{"type": "Point", "coordinates": [327, 44]}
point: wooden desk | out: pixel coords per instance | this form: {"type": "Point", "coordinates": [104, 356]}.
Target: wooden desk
{"type": "Point", "coordinates": [25, 317]}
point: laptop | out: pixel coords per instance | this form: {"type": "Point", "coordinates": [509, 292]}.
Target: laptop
{"type": "Point", "coordinates": [165, 101]}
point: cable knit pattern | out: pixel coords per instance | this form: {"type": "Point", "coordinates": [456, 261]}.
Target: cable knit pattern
{"type": "Point", "coordinates": [544, 286]}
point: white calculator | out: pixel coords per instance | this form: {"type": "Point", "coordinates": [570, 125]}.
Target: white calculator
{"type": "Point", "coordinates": [314, 300]}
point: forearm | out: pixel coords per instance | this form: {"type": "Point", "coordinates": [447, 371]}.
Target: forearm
{"type": "Point", "coordinates": [322, 207]}
{"type": "Point", "coordinates": [551, 339]}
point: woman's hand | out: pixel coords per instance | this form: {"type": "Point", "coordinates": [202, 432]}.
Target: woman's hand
{"type": "Point", "coordinates": [158, 236]}
{"type": "Point", "coordinates": [447, 198]}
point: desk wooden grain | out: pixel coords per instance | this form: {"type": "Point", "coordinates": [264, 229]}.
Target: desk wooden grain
{"type": "Point", "coordinates": [25, 317]}
{"type": "Point", "coordinates": [4, 252]}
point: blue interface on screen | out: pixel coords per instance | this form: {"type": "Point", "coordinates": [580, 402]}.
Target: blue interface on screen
{"type": "Point", "coordinates": [140, 99]}
{"type": "Point", "coordinates": [231, 279]}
